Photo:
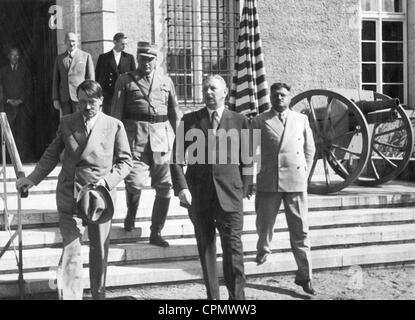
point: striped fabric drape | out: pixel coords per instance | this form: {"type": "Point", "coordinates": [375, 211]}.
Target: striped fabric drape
{"type": "Point", "coordinates": [249, 90]}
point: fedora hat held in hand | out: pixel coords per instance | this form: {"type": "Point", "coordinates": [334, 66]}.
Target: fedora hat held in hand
{"type": "Point", "coordinates": [94, 204]}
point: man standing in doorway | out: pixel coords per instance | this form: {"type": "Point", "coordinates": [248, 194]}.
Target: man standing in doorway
{"type": "Point", "coordinates": [71, 69]}
{"type": "Point", "coordinates": [145, 101]}
{"type": "Point", "coordinates": [287, 152]}
{"type": "Point", "coordinates": [111, 65]}
{"type": "Point", "coordinates": [16, 84]}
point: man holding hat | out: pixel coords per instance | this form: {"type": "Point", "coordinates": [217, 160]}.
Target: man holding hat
{"type": "Point", "coordinates": [96, 158]}
{"type": "Point", "coordinates": [145, 101]}
{"type": "Point", "coordinates": [109, 67]}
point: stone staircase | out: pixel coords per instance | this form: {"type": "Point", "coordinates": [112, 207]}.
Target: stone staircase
{"type": "Point", "coordinates": [356, 226]}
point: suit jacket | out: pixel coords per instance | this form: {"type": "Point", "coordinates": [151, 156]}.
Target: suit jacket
{"type": "Point", "coordinates": [107, 71]}
{"type": "Point", "coordinates": [67, 78]}
{"type": "Point", "coordinates": [129, 98]}
{"type": "Point", "coordinates": [16, 84]}
{"type": "Point", "coordinates": [104, 154]}
{"type": "Point", "coordinates": [286, 154]}
{"type": "Point", "coordinates": [226, 179]}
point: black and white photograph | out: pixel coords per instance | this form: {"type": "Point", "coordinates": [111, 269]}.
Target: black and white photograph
{"type": "Point", "coordinates": [179, 151]}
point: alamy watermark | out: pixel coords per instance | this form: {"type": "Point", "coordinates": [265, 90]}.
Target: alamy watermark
{"type": "Point", "coordinates": [56, 17]}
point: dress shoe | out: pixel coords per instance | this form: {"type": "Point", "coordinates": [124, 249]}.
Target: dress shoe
{"type": "Point", "coordinates": [261, 258]}
{"type": "Point", "coordinates": [157, 240]}
{"type": "Point", "coordinates": [306, 285]}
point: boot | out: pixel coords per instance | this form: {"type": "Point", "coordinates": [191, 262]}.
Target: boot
{"type": "Point", "coordinates": [158, 218]}
{"type": "Point", "coordinates": [133, 199]}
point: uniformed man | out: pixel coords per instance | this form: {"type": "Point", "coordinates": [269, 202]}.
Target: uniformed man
{"type": "Point", "coordinates": [109, 67]}
{"type": "Point", "coordinates": [145, 101]}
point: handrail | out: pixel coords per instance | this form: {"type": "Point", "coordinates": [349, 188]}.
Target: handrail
{"type": "Point", "coordinates": [9, 143]}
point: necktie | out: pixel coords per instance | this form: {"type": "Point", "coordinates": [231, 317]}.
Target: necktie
{"type": "Point", "coordinates": [214, 122]}
{"type": "Point", "coordinates": [70, 58]}
{"type": "Point", "coordinates": [88, 126]}
{"type": "Point", "coordinates": [281, 117]}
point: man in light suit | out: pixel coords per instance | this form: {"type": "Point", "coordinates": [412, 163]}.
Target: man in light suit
{"type": "Point", "coordinates": [96, 151]}
{"type": "Point", "coordinates": [111, 65]}
{"type": "Point", "coordinates": [145, 100]}
{"type": "Point", "coordinates": [71, 69]}
{"type": "Point", "coordinates": [212, 188]}
{"type": "Point", "coordinates": [287, 151]}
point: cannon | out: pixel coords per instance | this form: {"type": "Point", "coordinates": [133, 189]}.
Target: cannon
{"type": "Point", "coordinates": [361, 137]}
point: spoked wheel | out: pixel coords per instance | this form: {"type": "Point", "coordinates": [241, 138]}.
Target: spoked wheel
{"type": "Point", "coordinates": [341, 137]}
{"type": "Point", "coordinates": [391, 146]}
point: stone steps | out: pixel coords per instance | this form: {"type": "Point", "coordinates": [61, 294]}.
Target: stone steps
{"type": "Point", "coordinates": [185, 248]}
{"type": "Point", "coordinates": [170, 272]}
{"type": "Point", "coordinates": [356, 226]}
{"type": "Point", "coordinates": [181, 226]}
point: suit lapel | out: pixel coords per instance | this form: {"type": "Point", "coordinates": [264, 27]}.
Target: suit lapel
{"type": "Point", "coordinates": [224, 120]}
{"type": "Point", "coordinates": [78, 129]}
{"type": "Point", "coordinates": [274, 123]}
{"type": "Point", "coordinates": [204, 121]}
{"type": "Point", "coordinates": [289, 126]}
{"type": "Point", "coordinates": [113, 63]}
{"type": "Point", "coordinates": [97, 133]}
{"type": "Point", "coordinates": [65, 60]}
{"type": "Point", "coordinates": [74, 59]}
{"type": "Point", "coordinates": [122, 62]}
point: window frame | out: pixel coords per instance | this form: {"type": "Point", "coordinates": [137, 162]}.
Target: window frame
{"type": "Point", "coordinates": [198, 56]}
{"type": "Point", "coordinates": [378, 17]}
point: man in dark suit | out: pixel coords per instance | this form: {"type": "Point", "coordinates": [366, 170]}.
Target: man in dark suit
{"type": "Point", "coordinates": [96, 151]}
{"type": "Point", "coordinates": [287, 153]}
{"type": "Point", "coordinates": [109, 67]}
{"type": "Point", "coordinates": [215, 183]}
{"type": "Point", "coordinates": [16, 84]}
{"type": "Point", "coordinates": [71, 69]}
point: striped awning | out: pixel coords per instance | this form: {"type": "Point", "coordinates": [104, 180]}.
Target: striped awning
{"type": "Point", "coordinates": [249, 90]}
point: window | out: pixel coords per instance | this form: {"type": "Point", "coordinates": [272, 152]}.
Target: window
{"type": "Point", "coordinates": [383, 53]}
{"type": "Point", "coordinates": [202, 36]}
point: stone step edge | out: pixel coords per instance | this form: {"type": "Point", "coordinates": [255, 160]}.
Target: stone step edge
{"type": "Point", "coordinates": [184, 249]}
{"type": "Point", "coordinates": [165, 273]}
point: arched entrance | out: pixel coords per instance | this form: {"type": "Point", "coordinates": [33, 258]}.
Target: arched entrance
{"type": "Point", "coordinates": [24, 24]}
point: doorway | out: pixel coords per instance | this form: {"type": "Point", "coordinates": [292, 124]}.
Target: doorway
{"type": "Point", "coordinates": [24, 24]}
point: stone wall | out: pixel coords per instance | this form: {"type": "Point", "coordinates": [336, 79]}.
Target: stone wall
{"type": "Point", "coordinates": [311, 44]}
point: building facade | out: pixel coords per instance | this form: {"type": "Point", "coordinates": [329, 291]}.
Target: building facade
{"type": "Point", "coordinates": [351, 44]}
{"type": "Point", "coordinates": [311, 44]}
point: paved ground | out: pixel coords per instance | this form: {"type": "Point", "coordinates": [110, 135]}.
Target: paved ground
{"type": "Point", "coordinates": [355, 283]}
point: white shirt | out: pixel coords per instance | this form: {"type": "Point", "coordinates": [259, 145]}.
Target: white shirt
{"type": "Point", "coordinates": [283, 114]}
{"type": "Point", "coordinates": [14, 66]}
{"type": "Point", "coordinates": [73, 52]}
{"type": "Point", "coordinates": [91, 122]}
{"type": "Point", "coordinates": [219, 112]}
{"type": "Point", "coordinates": [117, 56]}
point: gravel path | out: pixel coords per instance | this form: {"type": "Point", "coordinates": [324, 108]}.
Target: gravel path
{"type": "Point", "coordinates": [355, 283]}
{"type": "Point", "coordinates": [391, 282]}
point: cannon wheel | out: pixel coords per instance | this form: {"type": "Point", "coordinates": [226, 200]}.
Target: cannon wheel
{"type": "Point", "coordinates": [341, 137]}
{"type": "Point", "coordinates": [391, 149]}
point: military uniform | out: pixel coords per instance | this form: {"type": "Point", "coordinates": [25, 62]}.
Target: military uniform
{"type": "Point", "coordinates": [148, 108]}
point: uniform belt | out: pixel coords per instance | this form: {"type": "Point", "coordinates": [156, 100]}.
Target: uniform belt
{"type": "Point", "coordinates": [152, 118]}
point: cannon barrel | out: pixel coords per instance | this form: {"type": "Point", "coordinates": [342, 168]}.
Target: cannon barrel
{"type": "Point", "coordinates": [371, 106]}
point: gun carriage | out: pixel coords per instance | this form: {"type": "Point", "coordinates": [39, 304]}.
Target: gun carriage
{"type": "Point", "coordinates": [361, 137]}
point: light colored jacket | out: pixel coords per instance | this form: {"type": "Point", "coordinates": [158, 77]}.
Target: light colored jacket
{"type": "Point", "coordinates": [104, 154]}
{"type": "Point", "coordinates": [286, 153]}
{"type": "Point", "coordinates": [66, 79]}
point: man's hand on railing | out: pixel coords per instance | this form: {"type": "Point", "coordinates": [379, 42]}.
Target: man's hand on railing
{"type": "Point", "coordinates": [23, 184]}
